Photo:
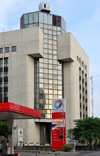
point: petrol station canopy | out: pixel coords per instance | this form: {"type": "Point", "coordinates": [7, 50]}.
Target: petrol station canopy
{"type": "Point", "coordinates": [14, 111]}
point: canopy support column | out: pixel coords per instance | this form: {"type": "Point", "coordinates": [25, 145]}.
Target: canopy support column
{"type": "Point", "coordinates": [10, 137]}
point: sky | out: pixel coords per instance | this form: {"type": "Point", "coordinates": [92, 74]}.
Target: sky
{"type": "Point", "coordinates": [82, 20]}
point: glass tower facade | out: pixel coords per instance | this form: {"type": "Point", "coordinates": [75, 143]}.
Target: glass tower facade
{"type": "Point", "coordinates": [48, 71]}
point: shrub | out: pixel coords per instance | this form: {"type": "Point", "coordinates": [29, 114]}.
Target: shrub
{"type": "Point", "coordinates": [45, 150]}
{"type": "Point", "coordinates": [67, 147]}
{"type": "Point", "coordinates": [15, 147]}
{"type": "Point", "coordinates": [53, 150]}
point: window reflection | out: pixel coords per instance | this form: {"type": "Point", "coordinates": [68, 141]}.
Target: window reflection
{"type": "Point", "coordinates": [26, 19]}
{"type": "Point", "coordinates": [59, 72]}
{"type": "Point", "coordinates": [55, 97]}
{"type": "Point", "coordinates": [50, 81]}
{"type": "Point", "coordinates": [30, 25]}
{"type": "Point", "coordinates": [45, 36]}
{"type": "Point", "coordinates": [41, 80]}
{"type": "Point", "coordinates": [59, 92]}
{"type": "Point", "coordinates": [45, 70]}
{"type": "Point", "coordinates": [49, 19]}
{"type": "Point", "coordinates": [58, 21]}
{"type": "Point", "coordinates": [54, 52]}
{"type": "Point", "coordinates": [55, 91]}
{"type": "Point", "coordinates": [49, 27]}
{"type": "Point", "coordinates": [45, 85]}
{"type": "Point", "coordinates": [46, 106]}
{"type": "Point", "coordinates": [60, 87]}
{"type": "Point", "coordinates": [45, 50]}
{"type": "Point", "coordinates": [45, 31]}
{"type": "Point", "coordinates": [54, 62]}
{"type": "Point", "coordinates": [48, 111]}
{"type": "Point", "coordinates": [31, 18]}
{"type": "Point", "coordinates": [50, 92]}
{"type": "Point", "coordinates": [40, 17]}
{"type": "Point", "coordinates": [50, 86]}
{"type": "Point", "coordinates": [50, 106]}
{"type": "Point", "coordinates": [45, 40]}
{"type": "Point", "coordinates": [45, 75]}
{"type": "Point", "coordinates": [35, 17]}
{"type": "Point", "coordinates": [46, 91]}
{"type": "Point", "coordinates": [45, 80]}
{"type": "Point", "coordinates": [55, 86]}
{"type": "Point", "coordinates": [50, 102]}
{"type": "Point", "coordinates": [45, 26]}
{"type": "Point", "coordinates": [60, 97]}
{"type": "Point", "coordinates": [50, 71]}
{"type": "Point", "coordinates": [50, 61]}
{"type": "Point", "coordinates": [50, 51]}
{"type": "Point", "coordinates": [50, 97]}
{"type": "Point", "coordinates": [50, 76]}
{"type": "Point", "coordinates": [41, 25]}
{"type": "Point", "coordinates": [60, 77]}
{"type": "Point", "coordinates": [45, 18]}
{"type": "Point", "coordinates": [55, 81]}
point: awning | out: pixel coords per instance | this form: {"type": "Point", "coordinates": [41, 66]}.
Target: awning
{"type": "Point", "coordinates": [13, 111]}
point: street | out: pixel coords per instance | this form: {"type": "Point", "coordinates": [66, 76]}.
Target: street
{"type": "Point", "coordinates": [90, 153]}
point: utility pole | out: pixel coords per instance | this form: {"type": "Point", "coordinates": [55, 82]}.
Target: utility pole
{"type": "Point", "coordinates": [92, 94]}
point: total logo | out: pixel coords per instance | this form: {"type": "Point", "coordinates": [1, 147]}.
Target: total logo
{"type": "Point", "coordinates": [58, 104]}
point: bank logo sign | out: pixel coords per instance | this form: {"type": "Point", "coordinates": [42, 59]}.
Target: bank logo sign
{"type": "Point", "coordinates": [58, 105]}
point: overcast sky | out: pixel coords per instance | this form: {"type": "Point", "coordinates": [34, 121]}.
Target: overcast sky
{"type": "Point", "coordinates": [83, 21]}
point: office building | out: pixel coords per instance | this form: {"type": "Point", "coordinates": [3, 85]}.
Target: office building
{"type": "Point", "coordinates": [41, 62]}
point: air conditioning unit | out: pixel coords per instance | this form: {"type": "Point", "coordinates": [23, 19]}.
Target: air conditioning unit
{"type": "Point", "coordinates": [45, 6]}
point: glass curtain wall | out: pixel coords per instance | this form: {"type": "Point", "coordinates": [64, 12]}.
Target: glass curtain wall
{"type": "Point", "coordinates": [4, 80]}
{"type": "Point", "coordinates": [48, 71]}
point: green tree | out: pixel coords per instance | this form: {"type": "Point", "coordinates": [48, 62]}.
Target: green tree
{"type": "Point", "coordinates": [4, 128]}
{"type": "Point", "coordinates": [87, 128]}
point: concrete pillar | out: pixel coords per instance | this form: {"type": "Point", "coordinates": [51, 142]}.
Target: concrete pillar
{"type": "Point", "coordinates": [10, 137]}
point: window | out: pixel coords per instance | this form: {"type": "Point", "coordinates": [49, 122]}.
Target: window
{"type": "Point", "coordinates": [86, 67]}
{"type": "Point", "coordinates": [35, 17]}
{"type": "Point", "coordinates": [44, 5]}
{"type": "Point", "coordinates": [26, 19]}
{"type": "Point", "coordinates": [6, 94]}
{"type": "Point", "coordinates": [6, 74]}
{"type": "Point", "coordinates": [40, 17]}
{"type": "Point", "coordinates": [1, 74]}
{"type": "Point", "coordinates": [58, 20]}
{"type": "Point", "coordinates": [13, 48]}
{"type": "Point", "coordinates": [1, 62]}
{"type": "Point", "coordinates": [7, 49]}
{"type": "Point", "coordinates": [31, 18]}
{"type": "Point", "coordinates": [1, 50]}
{"type": "Point", "coordinates": [50, 20]}
{"type": "Point", "coordinates": [45, 18]}
{"type": "Point", "coordinates": [6, 62]}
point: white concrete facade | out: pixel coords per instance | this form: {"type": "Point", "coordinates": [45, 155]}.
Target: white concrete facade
{"type": "Point", "coordinates": [75, 65]}
{"type": "Point", "coordinates": [29, 45]}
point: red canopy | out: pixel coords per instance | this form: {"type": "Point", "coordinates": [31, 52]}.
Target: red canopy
{"type": "Point", "coordinates": [10, 110]}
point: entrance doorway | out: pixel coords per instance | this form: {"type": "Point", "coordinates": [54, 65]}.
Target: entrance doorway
{"type": "Point", "coordinates": [45, 133]}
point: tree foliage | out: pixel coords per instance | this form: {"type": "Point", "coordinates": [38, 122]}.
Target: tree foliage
{"type": "Point", "coordinates": [87, 128]}
{"type": "Point", "coordinates": [4, 128]}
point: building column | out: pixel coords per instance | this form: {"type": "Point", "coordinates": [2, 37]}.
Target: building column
{"type": "Point", "coordinates": [10, 137]}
